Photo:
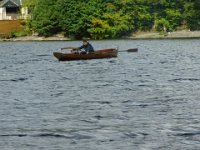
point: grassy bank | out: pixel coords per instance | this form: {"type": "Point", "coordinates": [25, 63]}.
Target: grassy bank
{"type": "Point", "coordinates": [137, 35]}
{"type": "Point", "coordinates": [167, 35]}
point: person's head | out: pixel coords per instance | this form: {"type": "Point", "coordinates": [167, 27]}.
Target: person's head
{"type": "Point", "coordinates": [85, 42]}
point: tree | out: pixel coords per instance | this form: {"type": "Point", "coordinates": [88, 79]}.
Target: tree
{"type": "Point", "coordinates": [102, 19]}
{"type": "Point", "coordinates": [29, 3]}
{"type": "Point", "coordinates": [114, 22]}
{"type": "Point", "coordinates": [45, 18]}
{"type": "Point", "coordinates": [192, 14]}
{"type": "Point", "coordinates": [75, 16]}
{"type": "Point", "coordinates": [174, 17]}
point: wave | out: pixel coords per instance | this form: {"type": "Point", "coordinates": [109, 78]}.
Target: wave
{"type": "Point", "coordinates": [43, 55]}
{"type": "Point", "coordinates": [13, 135]}
{"type": "Point", "coordinates": [186, 134]}
{"type": "Point", "coordinates": [49, 135]}
{"type": "Point", "coordinates": [184, 79]}
{"type": "Point", "coordinates": [15, 80]}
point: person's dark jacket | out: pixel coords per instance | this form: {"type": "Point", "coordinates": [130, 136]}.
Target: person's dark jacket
{"type": "Point", "coordinates": [87, 48]}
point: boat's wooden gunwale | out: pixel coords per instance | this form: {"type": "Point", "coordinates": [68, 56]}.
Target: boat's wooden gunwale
{"type": "Point", "coordinates": [100, 54]}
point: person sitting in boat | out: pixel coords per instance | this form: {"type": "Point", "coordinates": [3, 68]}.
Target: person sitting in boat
{"type": "Point", "coordinates": [88, 48]}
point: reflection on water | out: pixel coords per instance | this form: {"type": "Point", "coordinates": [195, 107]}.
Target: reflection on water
{"type": "Point", "coordinates": [144, 100]}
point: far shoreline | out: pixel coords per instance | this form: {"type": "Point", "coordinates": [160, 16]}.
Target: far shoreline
{"type": "Point", "coordinates": [183, 34]}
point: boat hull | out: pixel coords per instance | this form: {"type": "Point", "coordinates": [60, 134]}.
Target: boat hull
{"type": "Point", "coordinates": [99, 54]}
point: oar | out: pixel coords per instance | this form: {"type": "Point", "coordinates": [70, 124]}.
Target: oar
{"type": "Point", "coordinates": [130, 50]}
{"type": "Point", "coordinates": [69, 48]}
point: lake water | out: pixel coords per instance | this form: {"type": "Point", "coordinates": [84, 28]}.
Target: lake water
{"type": "Point", "coordinates": [148, 100]}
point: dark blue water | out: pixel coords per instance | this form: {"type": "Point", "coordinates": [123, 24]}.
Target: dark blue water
{"type": "Point", "coordinates": [148, 100]}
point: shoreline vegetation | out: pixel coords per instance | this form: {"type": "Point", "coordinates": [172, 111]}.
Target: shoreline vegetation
{"type": "Point", "coordinates": [120, 19]}
{"type": "Point", "coordinates": [182, 34]}
{"type": "Point", "coordinates": [113, 19]}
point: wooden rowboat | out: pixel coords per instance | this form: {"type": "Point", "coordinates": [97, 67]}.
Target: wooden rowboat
{"type": "Point", "coordinates": [99, 54]}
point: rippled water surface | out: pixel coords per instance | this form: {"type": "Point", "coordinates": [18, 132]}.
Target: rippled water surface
{"type": "Point", "coordinates": [148, 100]}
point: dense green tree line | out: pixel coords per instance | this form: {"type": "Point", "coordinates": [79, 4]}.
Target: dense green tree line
{"type": "Point", "coordinates": [102, 19]}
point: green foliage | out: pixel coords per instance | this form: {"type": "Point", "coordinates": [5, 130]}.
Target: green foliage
{"type": "Point", "coordinates": [119, 20]}
{"type": "Point", "coordinates": [100, 19]}
{"type": "Point", "coordinates": [75, 16]}
{"type": "Point", "coordinates": [143, 20]}
{"type": "Point", "coordinates": [29, 3]}
{"type": "Point", "coordinates": [45, 18]}
{"type": "Point", "coordinates": [161, 24]}
{"type": "Point", "coordinates": [174, 17]}
{"type": "Point", "coordinates": [12, 34]}
{"type": "Point", "coordinates": [192, 14]}
{"type": "Point", "coordinates": [27, 24]}
{"type": "Point", "coordinates": [110, 25]}
{"type": "Point", "coordinates": [99, 29]}
{"type": "Point", "coordinates": [19, 33]}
